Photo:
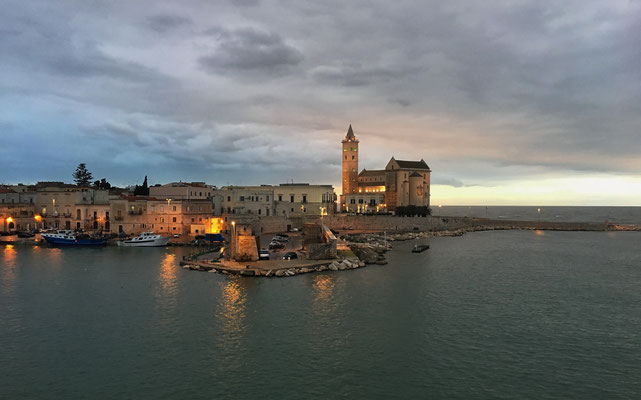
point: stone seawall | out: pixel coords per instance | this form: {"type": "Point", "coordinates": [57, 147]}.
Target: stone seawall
{"type": "Point", "coordinates": [389, 223]}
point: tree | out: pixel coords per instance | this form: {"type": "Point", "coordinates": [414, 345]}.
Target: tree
{"type": "Point", "coordinates": [142, 190]}
{"type": "Point", "coordinates": [82, 176]}
{"type": "Point", "coordinates": [102, 184]}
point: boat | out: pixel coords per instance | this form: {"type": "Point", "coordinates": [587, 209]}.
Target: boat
{"type": "Point", "coordinates": [146, 239]}
{"type": "Point", "coordinates": [70, 238]}
{"type": "Point", "coordinates": [419, 248]}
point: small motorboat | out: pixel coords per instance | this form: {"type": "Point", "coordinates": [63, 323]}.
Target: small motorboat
{"type": "Point", "coordinates": [419, 248]}
{"type": "Point", "coordinates": [146, 239]}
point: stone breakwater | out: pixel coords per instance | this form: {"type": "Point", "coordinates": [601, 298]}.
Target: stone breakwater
{"type": "Point", "coordinates": [335, 265]}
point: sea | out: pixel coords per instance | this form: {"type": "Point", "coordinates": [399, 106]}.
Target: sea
{"type": "Point", "coordinates": [489, 315]}
{"type": "Point", "coordinates": [614, 215]}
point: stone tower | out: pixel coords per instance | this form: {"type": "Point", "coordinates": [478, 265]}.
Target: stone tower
{"type": "Point", "coordinates": [350, 163]}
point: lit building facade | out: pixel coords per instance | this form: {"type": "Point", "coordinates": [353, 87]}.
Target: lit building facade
{"type": "Point", "coordinates": [401, 183]}
{"type": "Point", "coordinates": [303, 199]}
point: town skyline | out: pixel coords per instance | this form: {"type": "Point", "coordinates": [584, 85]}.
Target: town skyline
{"type": "Point", "coordinates": [526, 103]}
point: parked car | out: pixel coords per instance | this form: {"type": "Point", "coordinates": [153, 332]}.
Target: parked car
{"type": "Point", "coordinates": [263, 254]}
{"type": "Point", "coordinates": [176, 235]}
{"type": "Point", "coordinates": [290, 256]}
{"type": "Point", "coordinates": [294, 229]}
{"type": "Point", "coordinates": [279, 238]}
{"type": "Point", "coordinates": [276, 245]}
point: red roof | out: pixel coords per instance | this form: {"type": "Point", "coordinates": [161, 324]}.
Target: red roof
{"type": "Point", "coordinates": [7, 191]}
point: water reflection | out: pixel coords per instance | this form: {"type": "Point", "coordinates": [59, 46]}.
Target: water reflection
{"type": "Point", "coordinates": [231, 307]}
{"type": "Point", "coordinates": [9, 255]}
{"type": "Point", "coordinates": [168, 273]}
{"type": "Point", "coordinates": [167, 290]}
{"type": "Point", "coordinates": [324, 305]}
{"type": "Point", "coordinates": [8, 270]}
{"type": "Point", "coordinates": [324, 286]}
{"type": "Point", "coordinates": [539, 232]}
{"type": "Point", "coordinates": [54, 256]}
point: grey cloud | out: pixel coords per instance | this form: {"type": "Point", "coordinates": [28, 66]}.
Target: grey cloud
{"type": "Point", "coordinates": [545, 86]}
{"type": "Point", "coordinates": [354, 74]}
{"type": "Point", "coordinates": [249, 50]}
{"type": "Point", "coordinates": [166, 22]}
{"type": "Point", "coordinates": [245, 3]}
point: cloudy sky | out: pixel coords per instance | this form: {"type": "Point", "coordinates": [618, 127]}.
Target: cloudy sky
{"type": "Point", "coordinates": [509, 102]}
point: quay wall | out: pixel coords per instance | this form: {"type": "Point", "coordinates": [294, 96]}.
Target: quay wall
{"type": "Point", "coordinates": [390, 223]}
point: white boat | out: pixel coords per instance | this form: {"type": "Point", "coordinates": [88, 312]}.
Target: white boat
{"type": "Point", "coordinates": [70, 238]}
{"type": "Point", "coordinates": [59, 234]}
{"type": "Point", "coordinates": [146, 239]}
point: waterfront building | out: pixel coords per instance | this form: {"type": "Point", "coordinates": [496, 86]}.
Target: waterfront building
{"type": "Point", "coordinates": [241, 200]}
{"type": "Point", "coordinates": [15, 210]}
{"type": "Point", "coordinates": [303, 199]}
{"type": "Point", "coordinates": [182, 190]}
{"type": "Point", "coordinates": [136, 214]}
{"type": "Point", "coordinates": [401, 183]}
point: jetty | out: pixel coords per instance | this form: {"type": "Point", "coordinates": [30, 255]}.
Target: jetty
{"type": "Point", "coordinates": [275, 268]}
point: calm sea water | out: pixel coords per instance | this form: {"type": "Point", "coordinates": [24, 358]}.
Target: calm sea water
{"type": "Point", "coordinates": [505, 314]}
{"type": "Point", "coordinates": [618, 215]}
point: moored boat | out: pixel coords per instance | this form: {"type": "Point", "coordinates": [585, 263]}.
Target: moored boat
{"type": "Point", "coordinates": [418, 248]}
{"type": "Point", "coordinates": [70, 238]}
{"type": "Point", "coordinates": [146, 239]}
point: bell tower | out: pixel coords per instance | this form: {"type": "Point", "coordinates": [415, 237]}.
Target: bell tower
{"type": "Point", "coordinates": [350, 163]}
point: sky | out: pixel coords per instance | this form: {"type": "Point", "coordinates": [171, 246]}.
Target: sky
{"type": "Point", "coordinates": [509, 102]}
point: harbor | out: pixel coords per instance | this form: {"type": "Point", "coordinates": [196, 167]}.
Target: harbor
{"type": "Point", "coordinates": [216, 323]}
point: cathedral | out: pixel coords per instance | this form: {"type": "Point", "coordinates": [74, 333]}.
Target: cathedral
{"type": "Point", "coordinates": [401, 183]}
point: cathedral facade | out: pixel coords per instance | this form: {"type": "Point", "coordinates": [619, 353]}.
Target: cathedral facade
{"type": "Point", "coordinates": [401, 183]}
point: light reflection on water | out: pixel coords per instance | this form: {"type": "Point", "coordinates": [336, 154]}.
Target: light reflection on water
{"type": "Point", "coordinates": [54, 256]}
{"type": "Point", "coordinates": [168, 273]}
{"type": "Point", "coordinates": [323, 285]}
{"type": "Point", "coordinates": [9, 270]}
{"type": "Point", "coordinates": [167, 289]}
{"type": "Point", "coordinates": [324, 304]}
{"type": "Point", "coordinates": [231, 308]}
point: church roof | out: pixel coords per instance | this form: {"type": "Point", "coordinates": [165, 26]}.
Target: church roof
{"type": "Point", "coordinates": [415, 174]}
{"type": "Point", "coordinates": [412, 164]}
{"type": "Point", "coordinates": [373, 172]}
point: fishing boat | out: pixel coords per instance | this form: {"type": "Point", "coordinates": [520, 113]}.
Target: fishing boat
{"type": "Point", "coordinates": [146, 239]}
{"type": "Point", "coordinates": [419, 248]}
{"type": "Point", "coordinates": [70, 238]}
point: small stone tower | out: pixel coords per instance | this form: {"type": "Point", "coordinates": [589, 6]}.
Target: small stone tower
{"type": "Point", "coordinates": [350, 163]}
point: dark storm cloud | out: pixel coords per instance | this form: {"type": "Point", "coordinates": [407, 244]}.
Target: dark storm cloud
{"type": "Point", "coordinates": [515, 86]}
{"type": "Point", "coordinates": [249, 50]}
